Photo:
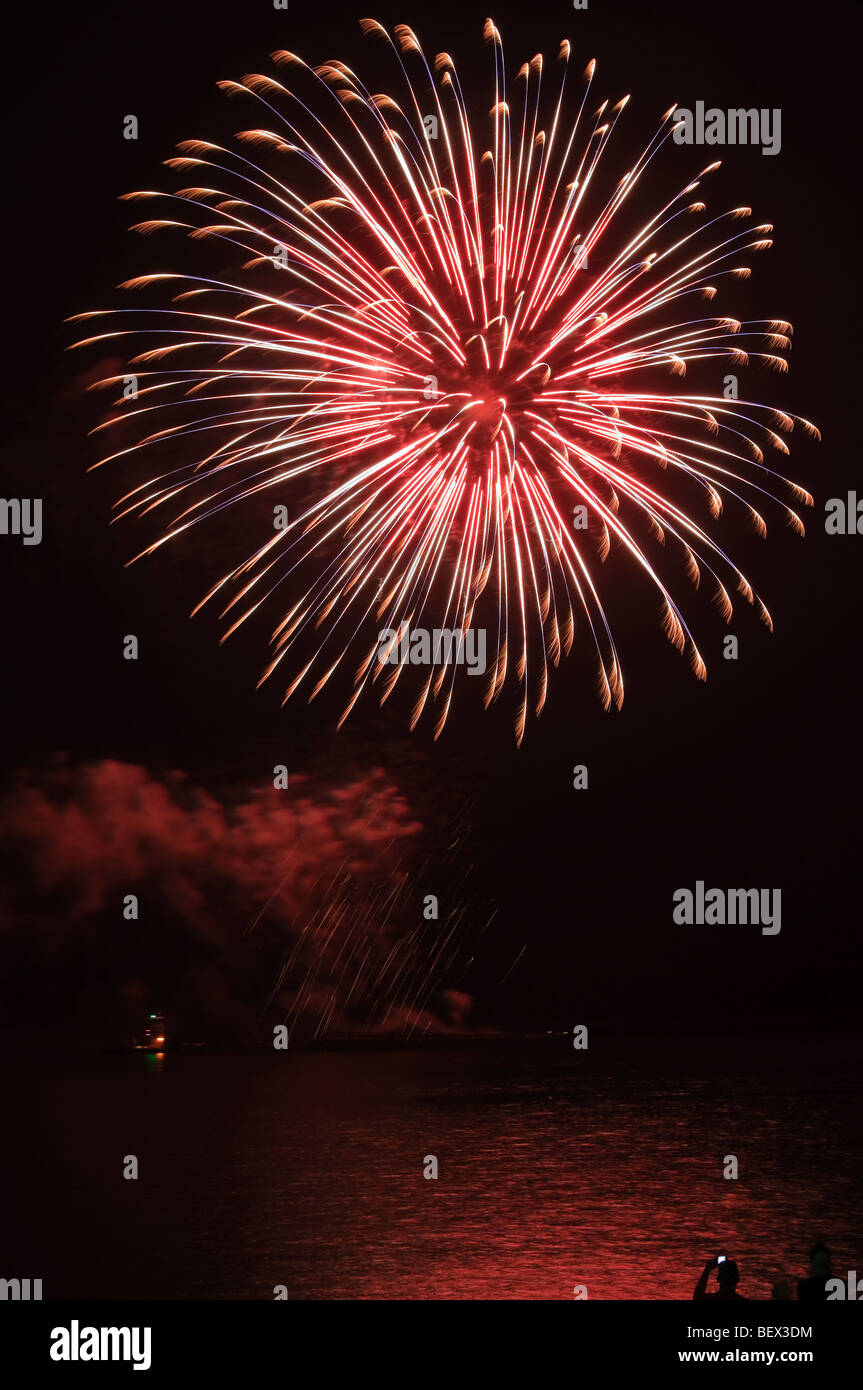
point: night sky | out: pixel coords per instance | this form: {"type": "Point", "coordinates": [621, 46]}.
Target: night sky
{"type": "Point", "coordinates": [749, 780]}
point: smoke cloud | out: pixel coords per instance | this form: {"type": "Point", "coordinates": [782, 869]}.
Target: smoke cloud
{"type": "Point", "coordinates": [294, 905]}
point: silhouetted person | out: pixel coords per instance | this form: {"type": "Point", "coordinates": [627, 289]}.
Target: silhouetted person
{"type": "Point", "coordinates": [814, 1289]}
{"type": "Point", "coordinates": [727, 1274]}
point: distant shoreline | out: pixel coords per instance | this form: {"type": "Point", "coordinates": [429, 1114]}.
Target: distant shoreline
{"type": "Point", "coordinates": [606, 1046]}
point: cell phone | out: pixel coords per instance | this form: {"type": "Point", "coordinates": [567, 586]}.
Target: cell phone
{"type": "Point", "coordinates": [720, 1259]}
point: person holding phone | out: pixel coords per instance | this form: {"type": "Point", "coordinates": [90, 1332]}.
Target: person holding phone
{"type": "Point", "coordinates": [727, 1275]}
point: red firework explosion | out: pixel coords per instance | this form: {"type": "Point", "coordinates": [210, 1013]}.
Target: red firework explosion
{"type": "Point", "coordinates": [435, 361]}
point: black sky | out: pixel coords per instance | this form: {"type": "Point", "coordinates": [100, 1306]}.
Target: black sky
{"type": "Point", "coordinates": [751, 779]}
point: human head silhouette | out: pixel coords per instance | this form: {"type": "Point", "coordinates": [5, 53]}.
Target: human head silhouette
{"type": "Point", "coordinates": [728, 1275]}
{"type": "Point", "coordinates": [819, 1259]}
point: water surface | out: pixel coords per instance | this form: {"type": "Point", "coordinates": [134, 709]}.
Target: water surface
{"type": "Point", "coordinates": [556, 1168]}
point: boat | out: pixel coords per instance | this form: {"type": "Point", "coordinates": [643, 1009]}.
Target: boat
{"type": "Point", "coordinates": [153, 1036]}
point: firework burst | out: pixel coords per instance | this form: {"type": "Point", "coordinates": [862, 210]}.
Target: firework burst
{"type": "Point", "coordinates": [439, 339]}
